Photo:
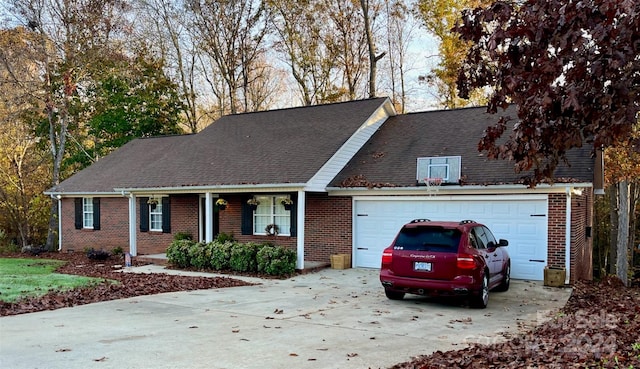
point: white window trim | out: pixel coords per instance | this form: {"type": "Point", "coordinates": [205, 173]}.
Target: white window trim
{"type": "Point", "coordinates": [153, 212]}
{"type": "Point", "coordinates": [86, 202]}
{"type": "Point", "coordinates": [273, 201]}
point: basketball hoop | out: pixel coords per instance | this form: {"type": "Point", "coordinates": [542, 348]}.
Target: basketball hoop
{"type": "Point", "coordinates": [433, 185]}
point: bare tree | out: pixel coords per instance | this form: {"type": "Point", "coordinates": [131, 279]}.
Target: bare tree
{"type": "Point", "coordinates": [369, 15]}
{"type": "Point", "coordinates": [305, 42]}
{"type": "Point", "coordinates": [164, 24]}
{"type": "Point", "coordinates": [232, 35]}
{"type": "Point", "coordinates": [349, 44]}
{"type": "Point", "coordinates": [399, 28]}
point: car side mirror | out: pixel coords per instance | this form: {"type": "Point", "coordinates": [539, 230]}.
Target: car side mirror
{"type": "Point", "coordinates": [503, 242]}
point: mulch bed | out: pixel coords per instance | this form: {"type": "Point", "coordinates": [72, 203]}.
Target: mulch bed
{"type": "Point", "coordinates": [599, 327]}
{"type": "Point", "coordinates": [131, 284]}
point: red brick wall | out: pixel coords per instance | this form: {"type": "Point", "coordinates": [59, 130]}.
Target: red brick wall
{"type": "Point", "coordinates": [114, 226]}
{"type": "Point", "coordinates": [581, 245]}
{"type": "Point", "coordinates": [557, 236]}
{"type": "Point", "coordinates": [184, 218]}
{"type": "Point", "coordinates": [328, 227]}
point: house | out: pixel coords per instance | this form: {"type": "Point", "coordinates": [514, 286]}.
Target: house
{"type": "Point", "coordinates": [355, 172]}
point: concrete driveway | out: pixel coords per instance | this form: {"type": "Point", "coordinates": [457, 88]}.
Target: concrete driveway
{"type": "Point", "coordinates": [327, 319]}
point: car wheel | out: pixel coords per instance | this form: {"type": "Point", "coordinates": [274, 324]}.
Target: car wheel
{"type": "Point", "coordinates": [506, 279]}
{"type": "Point", "coordinates": [481, 300]}
{"type": "Point", "coordinates": [393, 295]}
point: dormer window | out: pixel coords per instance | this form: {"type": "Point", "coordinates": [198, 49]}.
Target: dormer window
{"type": "Point", "coordinates": [445, 167]}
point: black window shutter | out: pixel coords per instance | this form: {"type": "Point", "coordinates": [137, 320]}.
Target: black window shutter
{"type": "Point", "coordinates": [96, 213]}
{"type": "Point", "coordinates": [247, 217]}
{"type": "Point", "coordinates": [144, 214]}
{"type": "Point", "coordinates": [166, 215]}
{"type": "Point", "coordinates": [78, 213]}
{"type": "Point", "coordinates": [294, 216]}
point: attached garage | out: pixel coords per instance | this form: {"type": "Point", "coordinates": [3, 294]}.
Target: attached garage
{"type": "Point", "coordinates": [521, 219]}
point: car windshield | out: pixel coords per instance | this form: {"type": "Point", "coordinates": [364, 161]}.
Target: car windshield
{"type": "Point", "coordinates": [428, 239]}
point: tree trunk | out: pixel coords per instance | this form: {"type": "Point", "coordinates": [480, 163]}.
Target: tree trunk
{"type": "Point", "coordinates": [373, 58]}
{"type": "Point", "coordinates": [622, 261]}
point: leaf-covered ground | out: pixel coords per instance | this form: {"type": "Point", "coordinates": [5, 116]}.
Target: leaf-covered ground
{"type": "Point", "coordinates": [598, 328]}
{"type": "Point", "coordinates": [131, 284]}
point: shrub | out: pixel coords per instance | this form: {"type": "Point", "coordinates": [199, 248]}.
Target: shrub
{"type": "Point", "coordinates": [221, 255]}
{"type": "Point", "coordinates": [276, 260]}
{"type": "Point", "coordinates": [182, 236]}
{"type": "Point", "coordinates": [178, 253]}
{"type": "Point", "coordinates": [98, 254]}
{"type": "Point", "coordinates": [223, 237]}
{"type": "Point", "coordinates": [200, 255]}
{"type": "Point", "coordinates": [243, 257]}
{"type": "Point", "coordinates": [117, 251]}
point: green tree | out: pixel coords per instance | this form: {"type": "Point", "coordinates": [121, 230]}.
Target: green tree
{"type": "Point", "coordinates": [131, 99]}
{"type": "Point", "coordinates": [439, 17]}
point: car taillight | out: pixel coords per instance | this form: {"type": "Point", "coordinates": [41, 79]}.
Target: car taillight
{"type": "Point", "coordinates": [466, 262]}
{"type": "Point", "coordinates": [386, 257]}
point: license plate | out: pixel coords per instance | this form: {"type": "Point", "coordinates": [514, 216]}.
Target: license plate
{"type": "Point", "coordinates": [422, 266]}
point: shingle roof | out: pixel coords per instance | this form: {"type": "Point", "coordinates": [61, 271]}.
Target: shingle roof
{"type": "Point", "coordinates": [389, 157]}
{"type": "Point", "coordinates": [271, 147]}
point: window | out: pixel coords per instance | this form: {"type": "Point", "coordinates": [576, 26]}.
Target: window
{"type": "Point", "coordinates": [271, 211]}
{"type": "Point", "coordinates": [155, 217]}
{"type": "Point", "coordinates": [155, 214]}
{"type": "Point", "coordinates": [87, 212]}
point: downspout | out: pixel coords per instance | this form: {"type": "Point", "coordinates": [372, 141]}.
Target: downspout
{"type": "Point", "coordinates": [300, 230]}
{"type": "Point", "coordinates": [567, 237]}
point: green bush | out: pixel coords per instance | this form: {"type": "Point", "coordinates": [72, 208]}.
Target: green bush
{"type": "Point", "coordinates": [276, 260]}
{"type": "Point", "coordinates": [243, 257]}
{"type": "Point", "coordinates": [117, 251]}
{"type": "Point", "coordinates": [182, 236]}
{"type": "Point", "coordinates": [200, 255]}
{"type": "Point", "coordinates": [221, 255]}
{"type": "Point", "coordinates": [223, 237]}
{"type": "Point", "coordinates": [178, 253]}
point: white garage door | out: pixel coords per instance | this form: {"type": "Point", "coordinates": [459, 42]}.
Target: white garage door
{"type": "Point", "coordinates": [521, 220]}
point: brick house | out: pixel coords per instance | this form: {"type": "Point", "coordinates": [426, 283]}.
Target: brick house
{"type": "Point", "coordinates": [355, 173]}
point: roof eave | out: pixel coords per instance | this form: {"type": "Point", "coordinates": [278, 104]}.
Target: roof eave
{"type": "Point", "coordinates": [456, 189]}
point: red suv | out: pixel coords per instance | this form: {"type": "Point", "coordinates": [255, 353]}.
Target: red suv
{"type": "Point", "coordinates": [445, 259]}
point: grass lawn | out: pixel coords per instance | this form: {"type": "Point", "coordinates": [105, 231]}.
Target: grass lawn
{"type": "Point", "coordinates": [31, 277]}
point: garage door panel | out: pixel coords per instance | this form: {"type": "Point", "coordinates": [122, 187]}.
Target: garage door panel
{"type": "Point", "coordinates": [509, 219]}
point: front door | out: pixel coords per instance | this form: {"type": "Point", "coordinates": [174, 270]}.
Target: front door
{"type": "Point", "coordinates": [215, 222]}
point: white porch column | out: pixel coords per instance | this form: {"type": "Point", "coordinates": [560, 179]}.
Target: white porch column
{"type": "Point", "coordinates": [133, 243]}
{"type": "Point", "coordinates": [208, 217]}
{"type": "Point", "coordinates": [300, 229]}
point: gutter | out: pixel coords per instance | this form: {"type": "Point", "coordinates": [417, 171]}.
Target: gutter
{"type": "Point", "coordinates": [456, 189]}
{"type": "Point", "coordinates": [220, 189]}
